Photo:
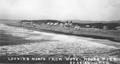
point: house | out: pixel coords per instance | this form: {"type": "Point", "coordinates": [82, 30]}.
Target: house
{"type": "Point", "coordinates": [87, 26]}
{"type": "Point", "coordinates": [118, 28]}
{"type": "Point", "coordinates": [76, 27]}
{"type": "Point", "coordinates": [105, 27]}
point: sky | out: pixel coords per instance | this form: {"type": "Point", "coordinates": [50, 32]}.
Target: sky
{"type": "Point", "coordinates": [60, 9]}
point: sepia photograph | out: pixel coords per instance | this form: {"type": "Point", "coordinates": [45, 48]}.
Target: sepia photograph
{"type": "Point", "coordinates": [59, 32]}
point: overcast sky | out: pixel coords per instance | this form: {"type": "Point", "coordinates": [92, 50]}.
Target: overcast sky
{"type": "Point", "coordinates": [60, 9]}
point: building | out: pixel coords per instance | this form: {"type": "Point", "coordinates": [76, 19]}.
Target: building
{"type": "Point", "coordinates": [105, 27]}
{"type": "Point", "coordinates": [118, 28]}
{"type": "Point", "coordinates": [76, 27]}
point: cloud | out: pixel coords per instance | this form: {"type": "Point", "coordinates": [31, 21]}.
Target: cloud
{"type": "Point", "coordinates": [60, 9]}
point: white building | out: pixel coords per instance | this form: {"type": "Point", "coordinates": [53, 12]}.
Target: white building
{"type": "Point", "coordinates": [118, 28]}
